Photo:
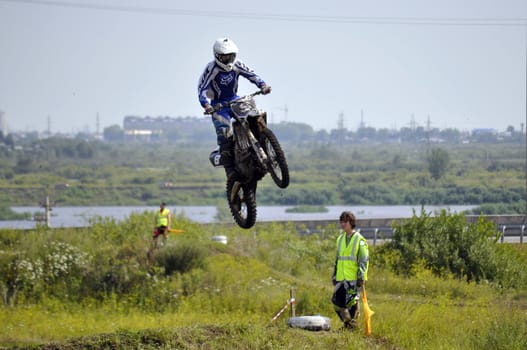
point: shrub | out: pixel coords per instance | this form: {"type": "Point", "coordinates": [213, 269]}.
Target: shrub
{"type": "Point", "coordinates": [19, 276]}
{"type": "Point", "coordinates": [181, 257]}
{"type": "Point", "coordinates": [445, 244]}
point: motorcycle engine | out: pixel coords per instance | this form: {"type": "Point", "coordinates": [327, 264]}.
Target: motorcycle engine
{"type": "Point", "coordinates": [243, 162]}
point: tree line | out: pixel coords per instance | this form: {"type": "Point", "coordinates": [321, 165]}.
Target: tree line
{"type": "Point", "coordinates": [77, 171]}
{"type": "Point", "coordinates": [195, 130]}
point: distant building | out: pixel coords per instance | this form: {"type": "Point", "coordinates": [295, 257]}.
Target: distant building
{"type": "Point", "coordinates": [484, 131]}
{"type": "Point", "coordinates": [159, 128]}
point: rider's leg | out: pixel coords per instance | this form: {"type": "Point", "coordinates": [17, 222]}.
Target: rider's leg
{"type": "Point", "coordinates": [227, 157]}
{"type": "Point", "coordinates": [225, 142]}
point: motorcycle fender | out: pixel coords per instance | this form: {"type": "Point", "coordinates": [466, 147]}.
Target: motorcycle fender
{"type": "Point", "coordinates": [262, 121]}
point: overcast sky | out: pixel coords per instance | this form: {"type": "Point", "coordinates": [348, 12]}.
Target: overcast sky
{"type": "Point", "coordinates": [460, 63]}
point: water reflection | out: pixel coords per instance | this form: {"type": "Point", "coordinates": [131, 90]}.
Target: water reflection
{"type": "Point", "coordinates": [81, 216]}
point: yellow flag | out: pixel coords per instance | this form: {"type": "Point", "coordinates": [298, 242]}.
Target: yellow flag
{"type": "Point", "coordinates": [368, 313]}
{"type": "Point", "coordinates": [175, 230]}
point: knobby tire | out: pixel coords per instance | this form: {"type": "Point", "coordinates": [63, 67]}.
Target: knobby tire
{"type": "Point", "coordinates": [242, 202]}
{"type": "Point", "coordinates": [278, 167]}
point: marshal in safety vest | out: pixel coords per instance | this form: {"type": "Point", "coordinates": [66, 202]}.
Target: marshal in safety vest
{"type": "Point", "coordinates": [162, 217]}
{"type": "Point", "coordinates": [352, 259]}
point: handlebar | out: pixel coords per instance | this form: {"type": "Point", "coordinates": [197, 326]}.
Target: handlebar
{"type": "Point", "coordinates": [228, 103]}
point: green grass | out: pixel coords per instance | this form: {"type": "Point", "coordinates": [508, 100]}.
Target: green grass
{"type": "Point", "coordinates": [99, 289]}
{"type": "Point", "coordinates": [410, 318]}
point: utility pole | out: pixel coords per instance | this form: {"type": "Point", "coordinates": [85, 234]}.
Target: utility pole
{"type": "Point", "coordinates": [362, 124]}
{"type": "Point", "coordinates": [428, 134]}
{"type": "Point", "coordinates": [340, 123]}
{"type": "Point", "coordinates": [285, 110]}
{"type": "Point", "coordinates": [46, 218]}
{"type": "Point", "coordinates": [525, 218]}
{"type": "Point", "coordinates": [49, 126]}
{"type": "Point", "coordinates": [340, 127]}
{"type": "Point", "coordinates": [47, 210]}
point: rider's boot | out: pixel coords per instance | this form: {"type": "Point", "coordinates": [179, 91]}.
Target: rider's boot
{"type": "Point", "coordinates": [227, 158]}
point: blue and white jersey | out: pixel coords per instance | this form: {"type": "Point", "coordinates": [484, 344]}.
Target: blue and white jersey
{"type": "Point", "coordinates": [216, 85]}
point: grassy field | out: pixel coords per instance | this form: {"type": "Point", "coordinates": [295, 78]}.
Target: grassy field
{"type": "Point", "coordinates": [414, 318]}
{"type": "Point", "coordinates": [104, 288]}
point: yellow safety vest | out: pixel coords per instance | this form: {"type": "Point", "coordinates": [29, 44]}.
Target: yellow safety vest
{"type": "Point", "coordinates": [162, 217]}
{"type": "Point", "coordinates": [347, 257]}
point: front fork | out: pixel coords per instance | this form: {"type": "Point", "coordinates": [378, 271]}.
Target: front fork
{"type": "Point", "coordinates": [258, 150]}
{"type": "Point", "coordinates": [261, 123]}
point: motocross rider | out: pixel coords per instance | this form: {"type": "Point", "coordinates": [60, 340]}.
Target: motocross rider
{"type": "Point", "coordinates": [219, 84]}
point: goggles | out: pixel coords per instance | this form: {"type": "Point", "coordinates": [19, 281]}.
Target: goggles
{"type": "Point", "coordinates": [226, 58]}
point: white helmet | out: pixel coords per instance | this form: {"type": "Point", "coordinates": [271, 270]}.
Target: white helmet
{"type": "Point", "coordinates": [225, 51]}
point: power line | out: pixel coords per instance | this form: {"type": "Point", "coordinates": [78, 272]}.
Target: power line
{"type": "Point", "coordinates": [433, 21]}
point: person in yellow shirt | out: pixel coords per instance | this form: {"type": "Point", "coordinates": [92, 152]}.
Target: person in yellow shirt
{"type": "Point", "coordinates": [162, 222]}
{"type": "Point", "coordinates": [351, 271]}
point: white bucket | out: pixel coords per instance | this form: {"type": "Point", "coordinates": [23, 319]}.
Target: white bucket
{"type": "Point", "coordinates": [220, 239]}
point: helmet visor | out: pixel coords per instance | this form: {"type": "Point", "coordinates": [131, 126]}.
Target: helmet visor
{"type": "Point", "coordinates": [226, 58]}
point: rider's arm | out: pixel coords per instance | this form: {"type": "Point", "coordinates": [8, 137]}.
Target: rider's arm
{"type": "Point", "coordinates": [204, 84]}
{"type": "Point", "coordinates": [249, 74]}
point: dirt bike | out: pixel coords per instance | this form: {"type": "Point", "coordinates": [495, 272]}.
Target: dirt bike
{"type": "Point", "coordinates": [256, 153]}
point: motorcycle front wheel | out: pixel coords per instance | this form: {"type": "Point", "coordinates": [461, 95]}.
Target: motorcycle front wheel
{"type": "Point", "coordinates": [277, 163]}
{"type": "Point", "coordinates": [242, 202]}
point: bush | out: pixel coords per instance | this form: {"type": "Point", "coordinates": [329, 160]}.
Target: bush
{"type": "Point", "coordinates": [446, 245]}
{"type": "Point", "coordinates": [182, 257]}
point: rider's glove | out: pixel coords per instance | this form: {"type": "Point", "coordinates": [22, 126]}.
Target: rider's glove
{"type": "Point", "coordinates": [266, 89]}
{"type": "Point", "coordinates": [208, 109]}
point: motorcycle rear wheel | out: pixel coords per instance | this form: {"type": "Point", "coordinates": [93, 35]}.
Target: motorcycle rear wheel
{"type": "Point", "coordinates": [242, 202]}
{"type": "Point", "coordinates": [278, 167]}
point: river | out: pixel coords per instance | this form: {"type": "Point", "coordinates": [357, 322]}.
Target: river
{"type": "Point", "coordinates": [81, 216]}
